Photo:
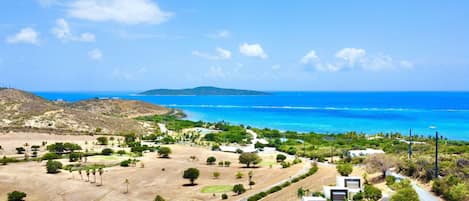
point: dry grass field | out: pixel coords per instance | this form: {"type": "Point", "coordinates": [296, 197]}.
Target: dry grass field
{"type": "Point", "coordinates": [158, 176]}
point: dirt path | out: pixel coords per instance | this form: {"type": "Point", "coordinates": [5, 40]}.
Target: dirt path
{"type": "Point", "coordinates": [326, 175]}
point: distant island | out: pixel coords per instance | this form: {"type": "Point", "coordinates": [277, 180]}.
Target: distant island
{"type": "Point", "coordinates": [203, 91]}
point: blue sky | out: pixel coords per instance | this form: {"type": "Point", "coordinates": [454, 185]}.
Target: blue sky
{"type": "Point", "coordinates": [119, 45]}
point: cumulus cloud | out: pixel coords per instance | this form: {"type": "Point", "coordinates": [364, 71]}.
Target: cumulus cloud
{"type": "Point", "coordinates": [95, 54]}
{"type": "Point", "coordinates": [252, 50]}
{"type": "Point", "coordinates": [351, 55]}
{"type": "Point", "coordinates": [62, 31]}
{"type": "Point", "coordinates": [25, 35]}
{"type": "Point", "coordinates": [121, 11]}
{"type": "Point", "coordinates": [353, 59]}
{"type": "Point", "coordinates": [221, 54]}
{"type": "Point", "coordinates": [310, 57]}
{"type": "Point", "coordinates": [221, 34]}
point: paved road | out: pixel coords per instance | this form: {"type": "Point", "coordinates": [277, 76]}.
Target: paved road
{"type": "Point", "coordinates": [423, 194]}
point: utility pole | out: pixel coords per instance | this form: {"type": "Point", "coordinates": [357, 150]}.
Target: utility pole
{"type": "Point", "coordinates": [436, 154]}
{"type": "Point", "coordinates": [410, 144]}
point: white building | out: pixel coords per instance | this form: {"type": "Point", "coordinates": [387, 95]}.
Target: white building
{"type": "Point", "coordinates": [366, 152]}
{"type": "Point", "coordinates": [313, 199]}
{"type": "Point", "coordinates": [345, 189]}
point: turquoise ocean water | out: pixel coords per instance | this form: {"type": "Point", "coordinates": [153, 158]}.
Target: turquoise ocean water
{"type": "Point", "coordinates": [325, 112]}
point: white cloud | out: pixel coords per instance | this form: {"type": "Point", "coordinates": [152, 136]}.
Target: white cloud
{"type": "Point", "coordinates": [221, 54]}
{"type": "Point", "coordinates": [221, 34]}
{"type": "Point", "coordinates": [26, 35]}
{"type": "Point", "coordinates": [62, 31]}
{"type": "Point", "coordinates": [276, 67]}
{"type": "Point", "coordinates": [310, 57]}
{"type": "Point", "coordinates": [252, 50]}
{"type": "Point", "coordinates": [353, 59]}
{"type": "Point", "coordinates": [406, 64]}
{"type": "Point", "coordinates": [122, 11]}
{"type": "Point", "coordinates": [95, 54]}
{"type": "Point", "coordinates": [351, 55]}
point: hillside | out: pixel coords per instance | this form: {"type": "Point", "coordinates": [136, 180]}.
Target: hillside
{"type": "Point", "coordinates": [20, 110]}
{"type": "Point", "coordinates": [202, 91]}
{"type": "Point", "coordinates": [120, 108]}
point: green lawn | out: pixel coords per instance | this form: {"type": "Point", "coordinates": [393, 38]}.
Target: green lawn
{"type": "Point", "coordinates": [267, 163]}
{"type": "Point", "coordinates": [217, 189]}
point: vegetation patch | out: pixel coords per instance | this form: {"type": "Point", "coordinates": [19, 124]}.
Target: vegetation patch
{"type": "Point", "coordinates": [217, 189]}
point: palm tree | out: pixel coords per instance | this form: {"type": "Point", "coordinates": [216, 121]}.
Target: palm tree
{"type": "Point", "coordinates": [88, 174]}
{"type": "Point", "coordinates": [71, 172]}
{"type": "Point", "coordinates": [100, 170]}
{"type": "Point", "coordinates": [79, 172]}
{"type": "Point", "coordinates": [93, 171]}
{"type": "Point", "coordinates": [126, 182]}
{"type": "Point", "coordinates": [250, 174]}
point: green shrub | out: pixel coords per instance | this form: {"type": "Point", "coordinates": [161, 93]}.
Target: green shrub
{"type": "Point", "coordinates": [107, 151]}
{"type": "Point", "coordinates": [239, 189]}
{"type": "Point", "coordinates": [159, 198]}
{"type": "Point", "coordinates": [405, 194]}
{"type": "Point", "coordinates": [125, 163]}
{"type": "Point", "coordinates": [390, 180]}
{"type": "Point", "coordinates": [281, 157]}
{"type": "Point", "coordinates": [211, 160]}
{"type": "Point", "coordinates": [16, 196]}
{"type": "Point", "coordinates": [344, 169]}
{"type": "Point", "coordinates": [224, 196]}
{"type": "Point", "coordinates": [164, 152]}
{"type": "Point", "coordinates": [53, 167]}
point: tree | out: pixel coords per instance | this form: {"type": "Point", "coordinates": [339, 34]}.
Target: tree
{"type": "Point", "coordinates": [249, 158]}
{"type": "Point", "coordinates": [20, 150]}
{"type": "Point", "coordinates": [102, 140]}
{"type": "Point", "coordinates": [164, 152]}
{"type": "Point", "coordinates": [405, 194]}
{"type": "Point", "coordinates": [101, 172]}
{"type": "Point", "coordinates": [250, 175]}
{"type": "Point", "coordinates": [93, 171]}
{"type": "Point", "coordinates": [192, 174]}
{"type": "Point", "coordinates": [74, 156]}
{"type": "Point", "coordinates": [300, 192]}
{"type": "Point", "coordinates": [239, 175]}
{"type": "Point", "coordinates": [107, 151]}
{"type": "Point", "coordinates": [16, 196]}
{"type": "Point", "coordinates": [159, 198]}
{"type": "Point", "coordinates": [372, 193]}
{"type": "Point", "coordinates": [216, 175]}
{"type": "Point", "coordinates": [87, 174]}
{"type": "Point", "coordinates": [281, 157]}
{"type": "Point", "coordinates": [344, 169]}
{"type": "Point", "coordinates": [239, 189]}
{"type": "Point", "coordinates": [380, 163]}
{"type": "Point", "coordinates": [121, 152]}
{"type": "Point", "coordinates": [53, 167]}
{"type": "Point", "coordinates": [80, 173]}
{"type": "Point", "coordinates": [224, 196]}
{"type": "Point", "coordinates": [126, 182]}
{"type": "Point", "coordinates": [211, 160]}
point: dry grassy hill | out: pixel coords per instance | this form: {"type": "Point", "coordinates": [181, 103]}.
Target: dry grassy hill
{"type": "Point", "coordinates": [20, 110]}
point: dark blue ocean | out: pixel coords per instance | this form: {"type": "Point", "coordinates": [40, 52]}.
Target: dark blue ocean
{"type": "Point", "coordinates": [324, 112]}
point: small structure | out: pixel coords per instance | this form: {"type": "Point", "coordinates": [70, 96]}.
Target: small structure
{"type": "Point", "coordinates": [234, 149]}
{"type": "Point", "coordinates": [345, 189]}
{"type": "Point", "coordinates": [366, 152]}
{"type": "Point", "coordinates": [314, 198]}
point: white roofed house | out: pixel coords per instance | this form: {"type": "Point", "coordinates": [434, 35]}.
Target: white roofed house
{"type": "Point", "coordinates": [366, 152]}
{"type": "Point", "coordinates": [345, 189]}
